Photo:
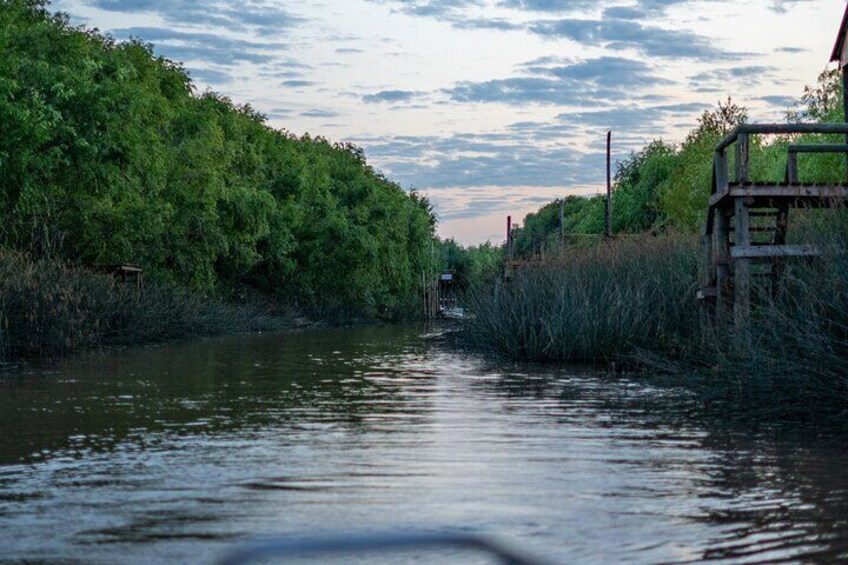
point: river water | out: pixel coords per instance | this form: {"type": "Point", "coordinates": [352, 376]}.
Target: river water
{"type": "Point", "coordinates": [177, 453]}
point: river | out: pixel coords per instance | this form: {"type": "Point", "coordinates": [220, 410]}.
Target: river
{"type": "Point", "coordinates": [177, 453]}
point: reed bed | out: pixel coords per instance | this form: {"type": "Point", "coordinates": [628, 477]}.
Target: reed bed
{"type": "Point", "coordinates": [592, 303]}
{"type": "Point", "coordinates": [49, 309]}
{"type": "Point", "coordinates": [633, 302]}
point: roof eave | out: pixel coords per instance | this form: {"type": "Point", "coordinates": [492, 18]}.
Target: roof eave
{"type": "Point", "coordinates": [840, 40]}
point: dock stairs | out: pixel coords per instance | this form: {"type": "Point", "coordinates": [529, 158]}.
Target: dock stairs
{"type": "Point", "coordinates": [744, 241]}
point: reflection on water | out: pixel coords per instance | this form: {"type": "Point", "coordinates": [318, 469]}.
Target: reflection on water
{"type": "Point", "coordinates": [176, 453]}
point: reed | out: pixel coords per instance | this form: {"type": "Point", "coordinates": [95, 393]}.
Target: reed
{"type": "Point", "coordinates": [49, 309]}
{"type": "Point", "coordinates": [633, 302]}
{"type": "Point", "coordinates": [592, 303]}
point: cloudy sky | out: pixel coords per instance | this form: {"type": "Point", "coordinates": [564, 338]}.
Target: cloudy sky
{"type": "Point", "coordinates": [491, 107]}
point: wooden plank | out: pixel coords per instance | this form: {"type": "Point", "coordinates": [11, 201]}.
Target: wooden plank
{"type": "Point", "coordinates": [782, 191]}
{"type": "Point", "coordinates": [720, 171]}
{"type": "Point", "coordinates": [707, 272]}
{"type": "Point", "coordinates": [716, 198]}
{"type": "Point", "coordinates": [781, 129]}
{"type": "Point", "coordinates": [742, 158]}
{"type": "Point", "coordinates": [792, 168]}
{"type": "Point", "coordinates": [759, 229]}
{"type": "Point", "coordinates": [741, 265]}
{"type": "Point", "coordinates": [720, 249]}
{"type": "Point", "coordinates": [818, 148]}
{"type": "Point", "coordinates": [707, 292]}
{"type": "Point", "coordinates": [773, 251]}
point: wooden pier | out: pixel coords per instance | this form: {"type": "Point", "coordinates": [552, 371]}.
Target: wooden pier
{"type": "Point", "coordinates": [744, 238]}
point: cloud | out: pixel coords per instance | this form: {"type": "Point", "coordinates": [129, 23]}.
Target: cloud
{"type": "Point", "coordinates": [254, 16]}
{"type": "Point", "coordinates": [210, 76]}
{"type": "Point", "coordinates": [648, 121]}
{"type": "Point", "coordinates": [618, 27]}
{"type": "Point", "coordinates": [435, 163]}
{"type": "Point", "coordinates": [394, 96]}
{"type": "Point", "coordinates": [723, 79]}
{"type": "Point", "coordinates": [592, 82]}
{"type": "Point", "coordinates": [434, 8]}
{"type": "Point", "coordinates": [206, 47]}
{"type": "Point", "coordinates": [278, 113]}
{"type": "Point", "coordinates": [550, 5]}
{"type": "Point", "coordinates": [642, 7]}
{"type": "Point", "coordinates": [319, 113]}
{"type": "Point", "coordinates": [484, 23]}
{"type": "Point", "coordinates": [619, 34]}
{"type": "Point", "coordinates": [780, 101]}
{"type": "Point", "coordinates": [782, 6]}
{"type": "Point", "coordinates": [297, 83]}
{"type": "Point", "coordinates": [567, 151]}
{"type": "Point", "coordinates": [624, 13]}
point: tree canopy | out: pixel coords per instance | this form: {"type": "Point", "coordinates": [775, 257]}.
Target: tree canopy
{"type": "Point", "coordinates": [109, 155]}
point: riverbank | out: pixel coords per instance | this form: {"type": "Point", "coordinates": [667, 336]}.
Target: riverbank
{"type": "Point", "coordinates": [632, 302]}
{"type": "Point", "coordinates": [50, 309]}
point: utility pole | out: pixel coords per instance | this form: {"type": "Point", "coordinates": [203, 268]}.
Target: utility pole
{"type": "Point", "coordinates": [509, 237]}
{"type": "Point", "coordinates": [607, 212]}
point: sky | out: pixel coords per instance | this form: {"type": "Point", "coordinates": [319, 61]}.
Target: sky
{"type": "Point", "coordinates": [489, 107]}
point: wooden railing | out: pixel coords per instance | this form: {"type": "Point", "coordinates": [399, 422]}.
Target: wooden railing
{"type": "Point", "coordinates": [741, 135]}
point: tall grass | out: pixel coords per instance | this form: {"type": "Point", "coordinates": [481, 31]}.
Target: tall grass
{"type": "Point", "coordinates": [49, 309]}
{"type": "Point", "coordinates": [592, 303]}
{"type": "Point", "coordinates": [795, 349]}
{"type": "Point", "coordinates": [634, 301]}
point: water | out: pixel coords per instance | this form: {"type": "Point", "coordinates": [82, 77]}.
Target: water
{"type": "Point", "coordinates": [177, 453]}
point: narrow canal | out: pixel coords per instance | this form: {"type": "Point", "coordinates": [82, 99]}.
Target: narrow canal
{"type": "Point", "coordinates": [176, 453]}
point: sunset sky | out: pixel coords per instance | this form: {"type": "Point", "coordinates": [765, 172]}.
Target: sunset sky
{"type": "Point", "coordinates": [490, 107]}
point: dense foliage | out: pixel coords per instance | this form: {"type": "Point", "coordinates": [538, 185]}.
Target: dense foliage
{"type": "Point", "coordinates": [472, 266]}
{"type": "Point", "coordinates": [107, 155]}
{"type": "Point", "coordinates": [666, 186]}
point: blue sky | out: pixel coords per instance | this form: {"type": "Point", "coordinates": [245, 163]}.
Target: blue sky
{"type": "Point", "coordinates": [490, 107]}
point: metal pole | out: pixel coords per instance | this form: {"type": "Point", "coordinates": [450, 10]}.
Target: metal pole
{"type": "Point", "coordinates": [509, 237]}
{"type": "Point", "coordinates": [607, 214]}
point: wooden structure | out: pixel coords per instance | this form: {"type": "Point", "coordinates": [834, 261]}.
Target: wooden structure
{"type": "Point", "coordinates": [747, 221]}
{"type": "Point", "coordinates": [745, 233]}
{"type": "Point", "coordinates": [840, 55]}
{"type": "Point", "coordinates": [126, 273]}
{"type": "Point", "coordinates": [439, 294]}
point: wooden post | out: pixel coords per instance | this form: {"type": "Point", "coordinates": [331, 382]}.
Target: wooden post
{"type": "Point", "coordinates": [845, 109]}
{"type": "Point", "coordinates": [792, 168]}
{"type": "Point", "coordinates": [742, 267]}
{"type": "Point", "coordinates": [742, 158]}
{"type": "Point", "coordinates": [778, 267]}
{"type": "Point", "coordinates": [721, 171]}
{"type": "Point", "coordinates": [721, 257]}
{"type": "Point", "coordinates": [607, 208]}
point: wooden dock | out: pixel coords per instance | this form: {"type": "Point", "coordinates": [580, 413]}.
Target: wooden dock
{"type": "Point", "coordinates": [744, 238]}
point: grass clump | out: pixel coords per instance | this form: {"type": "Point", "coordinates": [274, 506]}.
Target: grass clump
{"type": "Point", "coordinates": [49, 309]}
{"type": "Point", "coordinates": [592, 303]}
